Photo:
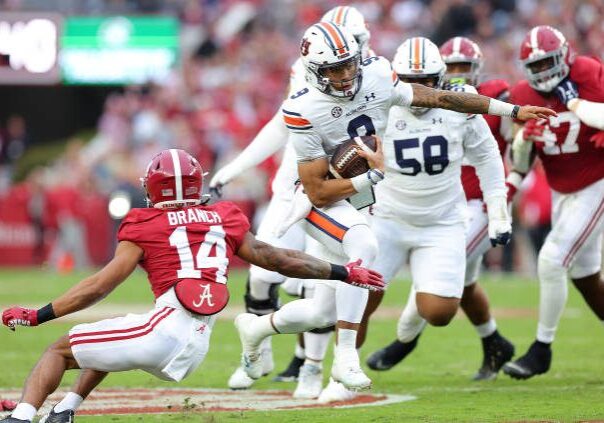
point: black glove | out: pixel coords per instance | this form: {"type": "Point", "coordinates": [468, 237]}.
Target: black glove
{"type": "Point", "coordinates": [566, 91]}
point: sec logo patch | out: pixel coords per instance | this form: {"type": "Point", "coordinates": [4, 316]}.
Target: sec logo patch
{"type": "Point", "coordinates": [336, 112]}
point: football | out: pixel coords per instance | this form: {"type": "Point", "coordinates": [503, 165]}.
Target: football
{"type": "Point", "coordinates": [346, 161]}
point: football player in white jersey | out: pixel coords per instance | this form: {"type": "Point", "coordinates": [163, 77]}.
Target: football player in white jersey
{"type": "Point", "coordinates": [261, 296]}
{"type": "Point", "coordinates": [463, 60]}
{"type": "Point", "coordinates": [345, 97]}
{"type": "Point", "coordinates": [420, 214]}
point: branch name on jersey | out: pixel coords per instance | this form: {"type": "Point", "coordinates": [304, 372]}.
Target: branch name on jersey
{"type": "Point", "coordinates": [573, 162]}
{"type": "Point", "coordinates": [192, 242]}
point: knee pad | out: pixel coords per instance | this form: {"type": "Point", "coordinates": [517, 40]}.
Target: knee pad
{"type": "Point", "coordinates": [262, 307]}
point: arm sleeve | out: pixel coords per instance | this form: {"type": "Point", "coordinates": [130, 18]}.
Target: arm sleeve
{"type": "Point", "coordinates": [271, 138]}
{"type": "Point", "coordinates": [402, 93]}
{"type": "Point", "coordinates": [589, 112]}
{"type": "Point", "coordinates": [482, 152]}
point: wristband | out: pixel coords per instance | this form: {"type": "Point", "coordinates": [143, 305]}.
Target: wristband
{"type": "Point", "coordinates": [514, 179]}
{"type": "Point", "coordinates": [46, 313]}
{"type": "Point", "coordinates": [515, 111]}
{"type": "Point", "coordinates": [367, 179]}
{"type": "Point", "coordinates": [338, 272]}
{"type": "Point", "coordinates": [501, 108]}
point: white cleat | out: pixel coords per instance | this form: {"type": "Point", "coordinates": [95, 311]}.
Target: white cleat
{"type": "Point", "coordinates": [250, 358]}
{"type": "Point", "coordinates": [347, 370]}
{"type": "Point", "coordinates": [335, 391]}
{"type": "Point", "coordinates": [310, 381]}
{"type": "Point", "coordinates": [240, 380]}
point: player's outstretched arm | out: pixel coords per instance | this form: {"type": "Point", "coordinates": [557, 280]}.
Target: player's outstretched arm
{"type": "Point", "coordinates": [86, 293]}
{"type": "Point", "coordinates": [296, 264]}
{"type": "Point", "coordinates": [271, 138]}
{"type": "Point", "coordinates": [474, 103]}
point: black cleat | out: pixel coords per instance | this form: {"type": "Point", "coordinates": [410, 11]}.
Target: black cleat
{"type": "Point", "coordinates": [389, 356]}
{"type": "Point", "coordinates": [66, 416]}
{"type": "Point", "coordinates": [10, 419]}
{"type": "Point", "coordinates": [290, 374]}
{"type": "Point", "coordinates": [536, 361]}
{"type": "Point", "coordinates": [496, 352]}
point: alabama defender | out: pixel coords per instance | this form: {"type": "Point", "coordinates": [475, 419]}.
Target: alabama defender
{"type": "Point", "coordinates": [570, 148]}
{"type": "Point", "coordinates": [345, 97]}
{"type": "Point", "coordinates": [261, 297]}
{"type": "Point", "coordinates": [185, 247]}
{"type": "Point", "coordinates": [464, 60]}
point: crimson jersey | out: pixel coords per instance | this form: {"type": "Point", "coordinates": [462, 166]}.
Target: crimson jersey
{"type": "Point", "coordinates": [496, 88]}
{"type": "Point", "coordinates": [573, 162]}
{"type": "Point", "coordinates": [194, 242]}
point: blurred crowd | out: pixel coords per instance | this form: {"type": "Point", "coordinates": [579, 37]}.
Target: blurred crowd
{"type": "Point", "coordinates": [234, 72]}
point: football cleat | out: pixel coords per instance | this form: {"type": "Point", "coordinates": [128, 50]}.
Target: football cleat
{"type": "Point", "coordinates": [65, 416]}
{"type": "Point", "coordinates": [310, 382]}
{"type": "Point", "coordinates": [536, 361]}
{"type": "Point", "coordinates": [250, 358]}
{"type": "Point", "coordinates": [497, 351]}
{"type": "Point", "coordinates": [290, 374]}
{"type": "Point", "coordinates": [335, 391]}
{"type": "Point", "coordinates": [240, 380]}
{"type": "Point", "coordinates": [391, 355]}
{"type": "Point", "coordinates": [346, 369]}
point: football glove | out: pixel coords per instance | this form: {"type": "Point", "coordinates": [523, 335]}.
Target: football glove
{"type": "Point", "coordinates": [537, 131]}
{"type": "Point", "coordinates": [363, 277]}
{"type": "Point", "coordinates": [567, 91]}
{"type": "Point", "coordinates": [19, 316]}
{"type": "Point", "coordinates": [500, 226]}
{"type": "Point", "coordinates": [598, 139]}
{"type": "Point", "coordinates": [224, 175]}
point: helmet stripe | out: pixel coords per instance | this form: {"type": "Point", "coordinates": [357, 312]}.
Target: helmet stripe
{"type": "Point", "coordinates": [326, 35]}
{"type": "Point", "coordinates": [334, 36]}
{"type": "Point", "coordinates": [456, 46]}
{"type": "Point", "coordinates": [341, 36]}
{"type": "Point", "coordinates": [416, 63]}
{"type": "Point", "coordinates": [338, 14]}
{"type": "Point", "coordinates": [177, 173]}
{"type": "Point", "coordinates": [534, 40]}
{"type": "Point", "coordinates": [345, 15]}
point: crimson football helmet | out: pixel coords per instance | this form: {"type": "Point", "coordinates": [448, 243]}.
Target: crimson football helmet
{"type": "Point", "coordinates": [174, 178]}
{"type": "Point", "coordinates": [545, 57]}
{"type": "Point", "coordinates": [462, 50]}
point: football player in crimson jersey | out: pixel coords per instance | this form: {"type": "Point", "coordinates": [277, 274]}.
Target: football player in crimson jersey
{"type": "Point", "coordinates": [573, 159]}
{"type": "Point", "coordinates": [185, 247]}
{"type": "Point", "coordinates": [464, 61]}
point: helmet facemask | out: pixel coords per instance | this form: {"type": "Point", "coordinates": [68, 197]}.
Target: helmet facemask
{"type": "Point", "coordinates": [342, 79]}
{"type": "Point", "coordinates": [546, 71]}
{"type": "Point", "coordinates": [462, 77]}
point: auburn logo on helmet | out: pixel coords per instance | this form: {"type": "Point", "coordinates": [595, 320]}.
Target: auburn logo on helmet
{"type": "Point", "coordinates": [304, 46]}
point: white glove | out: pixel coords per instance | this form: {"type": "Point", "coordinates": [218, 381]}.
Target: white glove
{"type": "Point", "coordinates": [299, 208]}
{"type": "Point", "coordinates": [500, 224]}
{"type": "Point", "coordinates": [224, 175]}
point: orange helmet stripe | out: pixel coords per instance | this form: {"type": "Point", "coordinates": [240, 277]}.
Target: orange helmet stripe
{"type": "Point", "coordinates": [339, 15]}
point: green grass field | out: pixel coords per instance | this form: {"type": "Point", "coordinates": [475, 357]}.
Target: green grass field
{"type": "Point", "coordinates": [437, 373]}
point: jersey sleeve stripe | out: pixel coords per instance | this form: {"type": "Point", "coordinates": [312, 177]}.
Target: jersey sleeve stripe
{"type": "Point", "coordinates": [326, 224]}
{"type": "Point", "coordinates": [296, 121]}
{"type": "Point", "coordinates": [287, 112]}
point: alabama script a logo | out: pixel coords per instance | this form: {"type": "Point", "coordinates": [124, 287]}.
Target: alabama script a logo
{"type": "Point", "coordinates": [206, 295]}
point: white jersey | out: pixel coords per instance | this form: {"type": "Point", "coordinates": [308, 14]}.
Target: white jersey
{"type": "Point", "coordinates": [423, 165]}
{"type": "Point", "coordinates": [318, 122]}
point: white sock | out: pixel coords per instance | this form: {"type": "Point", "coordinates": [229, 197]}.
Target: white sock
{"type": "Point", "coordinates": [71, 402]}
{"type": "Point", "coordinates": [299, 351]}
{"type": "Point", "coordinates": [316, 345]}
{"type": "Point", "coordinates": [347, 339]}
{"type": "Point", "coordinates": [552, 297]}
{"type": "Point", "coordinates": [410, 324]}
{"type": "Point", "coordinates": [24, 411]}
{"type": "Point", "coordinates": [266, 344]}
{"type": "Point", "coordinates": [486, 329]}
{"type": "Point", "coordinates": [312, 362]}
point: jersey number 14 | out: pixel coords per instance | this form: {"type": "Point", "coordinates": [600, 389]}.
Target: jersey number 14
{"type": "Point", "coordinates": [190, 268]}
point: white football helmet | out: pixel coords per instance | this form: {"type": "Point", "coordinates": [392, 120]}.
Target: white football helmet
{"type": "Point", "coordinates": [350, 18]}
{"type": "Point", "coordinates": [418, 58]}
{"type": "Point", "coordinates": [327, 46]}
